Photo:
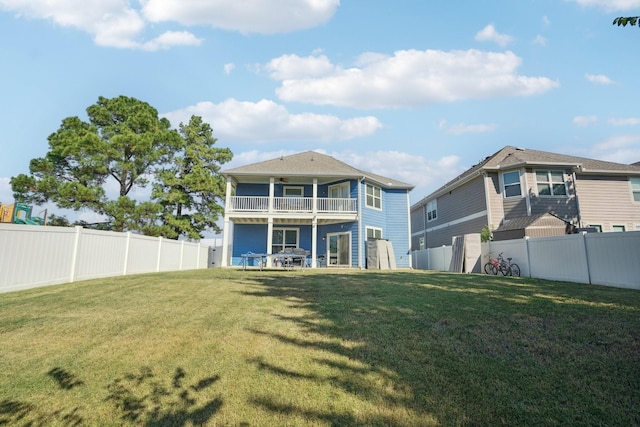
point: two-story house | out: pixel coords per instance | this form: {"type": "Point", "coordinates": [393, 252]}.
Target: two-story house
{"type": "Point", "coordinates": [314, 202]}
{"type": "Point", "coordinates": [517, 185]}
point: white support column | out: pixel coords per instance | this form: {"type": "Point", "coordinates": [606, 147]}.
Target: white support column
{"type": "Point", "coordinates": [314, 240]}
{"type": "Point", "coordinates": [314, 225]}
{"type": "Point", "coordinates": [272, 192]}
{"type": "Point", "coordinates": [315, 196]}
{"type": "Point", "coordinates": [269, 239]}
{"type": "Point", "coordinates": [226, 226]}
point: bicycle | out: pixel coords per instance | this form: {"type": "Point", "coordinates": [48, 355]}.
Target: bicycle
{"type": "Point", "coordinates": [502, 266]}
{"type": "Point", "coordinates": [493, 265]}
{"type": "Point", "coordinates": [507, 268]}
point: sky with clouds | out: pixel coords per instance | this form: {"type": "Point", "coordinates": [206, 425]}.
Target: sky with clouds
{"type": "Point", "coordinates": [414, 90]}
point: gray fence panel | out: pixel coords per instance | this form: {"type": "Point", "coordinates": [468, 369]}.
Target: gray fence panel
{"type": "Point", "coordinates": [31, 258]}
{"type": "Point", "coordinates": [100, 254]}
{"type": "Point", "coordinates": [170, 255]}
{"type": "Point", "coordinates": [614, 258]}
{"type": "Point", "coordinates": [611, 259]}
{"type": "Point", "coordinates": [559, 258]}
{"type": "Point", "coordinates": [43, 255]}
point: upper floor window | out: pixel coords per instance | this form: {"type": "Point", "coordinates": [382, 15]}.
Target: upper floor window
{"type": "Point", "coordinates": [617, 228]}
{"type": "Point", "coordinates": [293, 191]}
{"type": "Point", "coordinates": [374, 233]}
{"type": "Point", "coordinates": [511, 183]}
{"type": "Point", "coordinates": [551, 183]}
{"type": "Point", "coordinates": [432, 210]}
{"type": "Point", "coordinates": [635, 189]}
{"type": "Point", "coordinates": [339, 191]}
{"type": "Point", "coordinates": [374, 196]}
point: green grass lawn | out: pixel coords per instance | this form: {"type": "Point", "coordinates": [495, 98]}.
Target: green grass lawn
{"type": "Point", "coordinates": [319, 348]}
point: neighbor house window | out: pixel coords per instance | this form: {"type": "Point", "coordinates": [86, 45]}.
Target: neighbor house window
{"type": "Point", "coordinates": [635, 189]}
{"type": "Point", "coordinates": [617, 228]}
{"type": "Point", "coordinates": [374, 233]}
{"type": "Point", "coordinates": [511, 183]}
{"type": "Point", "coordinates": [598, 228]}
{"type": "Point", "coordinates": [374, 196]}
{"type": "Point", "coordinates": [284, 238]}
{"type": "Point", "coordinates": [551, 183]}
{"type": "Point", "coordinates": [432, 210]}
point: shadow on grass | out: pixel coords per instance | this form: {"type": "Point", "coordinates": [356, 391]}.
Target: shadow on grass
{"type": "Point", "coordinates": [144, 399]}
{"type": "Point", "coordinates": [464, 349]}
{"type": "Point", "coordinates": [141, 398]}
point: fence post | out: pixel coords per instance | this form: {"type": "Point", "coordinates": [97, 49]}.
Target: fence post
{"type": "Point", "coordinates": [181, 254]}
{"type": "Point", "coordinates": [159, 253]}
{"type": "Point", "coordinates": [586, 255]}
{"type": "Point", "coordinates": [526, 248]}
{"type": "Point", "coordinates": [126, 253]}
{"type": "Point", "coordinates": [74, 255]}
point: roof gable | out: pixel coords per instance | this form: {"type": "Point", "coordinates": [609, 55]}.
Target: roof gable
{"type": "Point", "coordinates": [511, 157]}
{"type": "Point", "coordinates": [310, 164]}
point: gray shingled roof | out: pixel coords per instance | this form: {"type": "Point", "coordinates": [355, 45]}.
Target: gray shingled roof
{"type": "Point", "coordinates": [514, 157]}
{"type": "Point", "coordinates": [310, 164]}
{"type": "Point", "coordinates": [543, 219]}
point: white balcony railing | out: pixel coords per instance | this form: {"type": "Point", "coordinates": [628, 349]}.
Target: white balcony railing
{"type": "Point", "coordinates": [291, 204]}
{"type": "Point", "coordinates": [337, 205]}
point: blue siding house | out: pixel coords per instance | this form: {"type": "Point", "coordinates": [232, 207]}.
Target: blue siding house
{"type": "Point", "coordinates": [317, 203]}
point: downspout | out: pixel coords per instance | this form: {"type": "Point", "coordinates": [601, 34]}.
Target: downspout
{"type": "Point", "coordinates": [575, 193]}
{"type": "Point", "coordinates": [360, 233]}
{"type": "Point", "coordinates": [409, 230]}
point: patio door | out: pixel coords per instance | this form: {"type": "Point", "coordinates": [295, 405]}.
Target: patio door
{"type": "Point", "coordinates": [339, 249]}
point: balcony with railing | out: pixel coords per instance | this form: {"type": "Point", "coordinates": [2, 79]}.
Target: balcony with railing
{"type": "Point", "coordinates": [287, 205]}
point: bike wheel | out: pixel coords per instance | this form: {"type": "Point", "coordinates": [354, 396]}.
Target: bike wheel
{"type": "Point", "coordinates": [515, 270]}
{"type": "Point", "coordinates": [490, 269]}
{"type": "Point", "coordinates": [503, 269]}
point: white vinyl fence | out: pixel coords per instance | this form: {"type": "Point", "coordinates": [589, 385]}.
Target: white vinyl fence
{"type": "Point", "coordinates": [611, 259]}
{"type": "Point", "coordinates": [35, 256]}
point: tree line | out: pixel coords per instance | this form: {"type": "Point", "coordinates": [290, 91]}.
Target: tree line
{"type": "Point", "coordinates": [125, 144]}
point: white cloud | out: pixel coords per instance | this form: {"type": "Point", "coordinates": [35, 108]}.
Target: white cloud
{"type": "Point", "coordinates": [631, 121]}
{"type": "Point", "coordinates": [408, 78]}
{"type": "Point", "coordinates": [546, 22]}
{"type": "Point", "coordinates": [610, 5]}
{"type": "Point", "coordinates": [539, 40]}
{"type": "Point", "coordinates": [583, 121]}
{"type": "Point", "coordinates": [620, 149]}
{"type": "Point", "coordinates": [461, 128]}
{"type": "Point", "coordinates": [112, 23]}
{"type": "Point", "coordinates": [248, 16]}
{"type": "Point", "coordinates": [229, 67]}
{"type": "Point", "coordinates": [116, 23]}
{"type": "Point", "coordinates": [291, 67]}
{"type": "Point", "coordinates": [489, 34]}
{"type": "Point", "coordinates": [599, 79]}
{"type": "Point", "coordinates": [267, 121]}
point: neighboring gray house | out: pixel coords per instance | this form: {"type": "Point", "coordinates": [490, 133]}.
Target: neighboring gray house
{"type": "Point", "coordinates": [314, 202]}
{"type": "Point", "coordinates": [516, 183]}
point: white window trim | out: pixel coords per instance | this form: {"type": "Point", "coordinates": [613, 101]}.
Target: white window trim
{"type": "Point", "coordinates": [631, 180]}
{"type": "Point", "coordinates": [289, 187]}
{"type": "Point", "coordinates": [346, 185]}
{"type": "Point", "coordinates": [367, 228]}
{"type": "Point", "coordinates": [284, 230]}
{"type": "Point", "coordinates": [366, 198]}
{"type": "Point", "coordinates": [434, 217]}
{"type": "Point", "coordinates": [550, 183]}
{"type": "Point", "coordinates": [504, 187]}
